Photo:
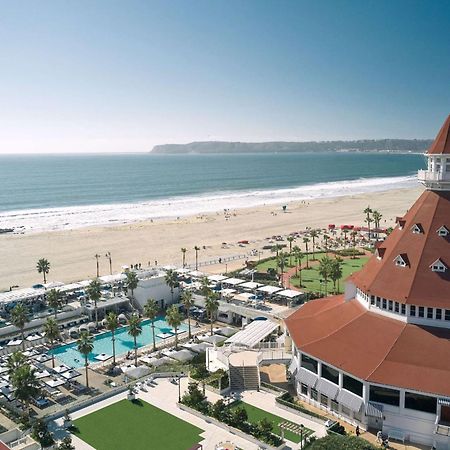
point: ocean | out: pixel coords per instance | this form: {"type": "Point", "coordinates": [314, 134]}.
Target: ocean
{"type": "Point", "coordinates": [55, 192]}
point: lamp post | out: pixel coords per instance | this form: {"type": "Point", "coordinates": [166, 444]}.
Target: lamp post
{"type": "Point", "coordinates": [301, 436]}
{"type": "Point", "coordinates": [179, 386]}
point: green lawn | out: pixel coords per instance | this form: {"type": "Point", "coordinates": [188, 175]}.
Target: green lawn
{"type": "Point", "coordinates": [135, 425]}
{"type": "Point", "coordinates": [271, 263]}
{"type": "Point", "coordinates": [311, 277]}
{"type": "Point", "coordinates": [255, 415]}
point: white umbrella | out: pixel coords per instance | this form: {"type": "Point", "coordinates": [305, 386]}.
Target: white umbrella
{"type": "Point", "coordinates": [14, 342]}
{"type": "Point", "coordinates": [122, 318]}
{"type": "Point", "coordinates": [43, 358]}
{"type": "Point", "coordinates": [70, 374]}
{"type": "Point", "coordinates": [73, 330]}
{"type": "Point", "coordinates": [62, 368]}
{"type": "Point", "coordinates": [83, 327]}
{"type": "Point", "coordinates": [91, 325]}
{"type": "Point", "coordinates": [103, 357]}
{"type": "Point", "coordinates": [42, 374]}
{"type": "Point", "coordinates": [55, 382]}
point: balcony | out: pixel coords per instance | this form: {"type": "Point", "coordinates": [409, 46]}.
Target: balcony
{"type": "Point", "coordinates": [437, 180]}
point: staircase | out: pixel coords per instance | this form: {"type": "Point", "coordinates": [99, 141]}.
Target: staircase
{"type": "Point", "coordinates": [244, 377]}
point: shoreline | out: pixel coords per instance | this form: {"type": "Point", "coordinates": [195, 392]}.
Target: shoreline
{"type": "Point", "coordinates": [71, 252]}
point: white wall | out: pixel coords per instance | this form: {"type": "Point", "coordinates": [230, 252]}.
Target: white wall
{"type": "Point", "coordinates": [156, 288]}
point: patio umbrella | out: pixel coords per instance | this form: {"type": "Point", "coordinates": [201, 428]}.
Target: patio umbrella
{"type": "Point", "coordinates": [122, 318]}
{"type": "Point", "coordinates": [70, 374]}
{"type": "Point", "coordinates": [42, 374]}
{"type": "Point", "coordinates": [73, 331]}
{"type": "Point", "coordinates": [83, 327]}
{"type": "Point", "coordinates": [62, 368]}
{"type": "Point", "coordinates": [91, 326]}
{"type": "Point", "coordinates": [54, 382]}
{"type": "Point", "coordinates": [103, 357]}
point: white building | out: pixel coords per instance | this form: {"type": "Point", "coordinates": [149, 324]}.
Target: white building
{"type": "Point", "coordinates": [154, 286]}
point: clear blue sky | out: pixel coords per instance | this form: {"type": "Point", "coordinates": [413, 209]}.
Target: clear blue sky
{"type": "Point", "coordinates": [125, 75]}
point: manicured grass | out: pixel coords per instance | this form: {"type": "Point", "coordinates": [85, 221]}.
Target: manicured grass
{"type": "Point", "coordinates": [272, 263]}
{"type": "Point", "coordinates": [311, 277]}
{"type": "Point", "coordinates": [256, 414]}
{"type": "Point", "coordinates": [135, 425]}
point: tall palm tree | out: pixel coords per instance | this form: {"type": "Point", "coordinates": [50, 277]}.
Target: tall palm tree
{"type": "Point", "coordinates": [325, 240]}
{"type": "Point", "coordinates": [85, 345]}
{"type": "Point", "coordinates": [52, 333]}
{"type": "Point", "coordinates": [314, 234]}
{"type": "Point", "coordinates": [188, 303]}
{"type": "Point", "coordinates": [171, 281]}
{"type": "Point", "coordinates": [183, 254]}
{"type": "Point", "coordinates": [376, 220]}
{"type": "Point", "coordinates": [25, 384]}
{"type": "Point", "coordinates": [54, 300]}
{"type": "Point", "coordinates": [109, 257]}
{"type": "Point", "coordinates": [97, 257]}
{"type": "Point", "coordinates": [19, 319]}
{"type": "Point", "coordinates": [112, 323]}
{"type": "Point", "coordinates": [151, 311]}
{"type": "Point", "coordinates": [14, 361]}
{"type": "Point", "coordinates": [197, 249]}
{"type": "Point", "coordinates": [43, 266]}
{"type": "Point", "coordinates": [204, 286]}
{"type": "Point", "coordinates": [306, 242]}
{"type": "Point", "coordinates": [132, 283]}
{"type": "Point", "coordinates": [211, 306]}
{"type": "Point", "coordinates": [353, 234]}
{"type": "Point", "coordinates": [281, 263]}
{"type": "Point", "coordinates": [298, 256]}
{"type": "Point", "coordinates": [324, 271]}
{"type": "Point", "coordinates": [94, 293]}
{"type": "Point", "coordinates": [336, 272]}
{"type": "Point", "coordinates": [290, 239]}
{"type": "Point", "coordinates": [368, 212]}
{"type": "Point", "coordinates": [174, 319]}
{"type": "Point", "coordinates": [134, 330]}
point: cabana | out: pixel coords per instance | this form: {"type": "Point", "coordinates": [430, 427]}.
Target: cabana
{"type": "Point", "coordinates": [183, 355]}
{"type": "Point", "coordinates": [198, 348]}
{"type": "Point", "coordinates": [214, 339]}
{"type": "Point", "coordinates": [196, 274]}
{"type": "Point", "coordinates": [61, 369]}
{"type": "Point", "coordinates": [269, 290]}
{"type": "Point", "coordinates": [109, 279]}
{"type": "Point", "coordinates": [216, 278]}
{"type": "Point", "coordinates": [250, 285]}
{"type": "Point", "coordinates": [102, 357]}
{"type": "Point", "coordinates": [70, 374]}
{"type": "Point", "coordinates": [244, 297]}
{"type": "Point", "coordinates": [227, 292]}
{"type": "Point", "coordinates": [233, 281]}
{"type": "Point", "coordinates": [122, 318]}
{"type": "Point", "coordinates": [289, 294]}
{"type": "Point", "coordinates": [55, 382]}
{"type": "Point", "coordinates": [253, 333]}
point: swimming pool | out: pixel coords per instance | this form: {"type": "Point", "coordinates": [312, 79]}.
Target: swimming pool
{"type": "Point", "coordinates": [69, 355]}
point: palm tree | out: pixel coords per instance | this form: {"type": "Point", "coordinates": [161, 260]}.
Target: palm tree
{"type": "Point", "coordinates": [306, 242]}
{"type": "Point", "coordinates": [97, 257]}
{"type": "Point", "coordinates": [151, 311]}
{"type": "Point", "coordinates": [109, 257]}
{"type": "Point", "coordinates": [174, 319]}
{"type": "Point", "coordinates": [43, 266]}
{"type": "Point", "coordinates": [325, 240]}
{"type": "Point", "coordinates": [298, 256]}
{"type": "Point", "coordinates": [188, 303]}
{"type": "Point", "coordinates": [290, 239]}
{"type": "Point", "coordinates": [211, 306]}
{"type": "Point", "coordinates": [368, 220]}
{"type": "Point", "coordinates": [376, 220]}
{"type": "Point", "coordinates": [52, 333]}
{"type": "Point", "coordinates": [336, 272]}
{"type": "Point", "coordinates": [353, 234]}
{"type": "Point", "coordinates": [204, 286]}
{"type": "Point", "coordinates": [196, 248]}
{"type": "Point", "coordinates": [134, 330]}
{"type": "Point", "coordinates": [14, 361]}
{"type": "Point", "coordinates": [281, 263]}
{"type": "Point", "coordinates": [325, 270]}
{"type": "Point", "coordinates": [54, 300]}
{"type": "Point", "coordinates": [19, 319]}
{"type": "Point", "coordinates": [183, 254]}
{"type": "Point", "coordinates": [112, 324]}
{"type": "Point", "coordinates": [171, 281]}
{"type": "Point", "coordinates": [94, 292]}
{"type": "Point", "coordinates": [25, 384]}
{"type": "Point", "coordinates": [314, 234]}
{"type": "Point", "coordinates": [85, 345]}
{"type": "Point", "coordinates": [132, 283]}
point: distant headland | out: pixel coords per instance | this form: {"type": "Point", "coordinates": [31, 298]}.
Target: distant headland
{"type": "Point", "coordinates": [375, 145]}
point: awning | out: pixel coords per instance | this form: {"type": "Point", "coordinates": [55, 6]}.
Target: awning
{"type": "Point", "coordinates": [253, 333]}
{"type": "Point", "coordinates": [444, 401]}
{"type": "Point", "coordinates": [328, 388]}
{"type": "Point", "coordinates": [307, 377]}
{"type": "Point", "coordinates": [293, 367]}
{"type": "Point", "coordinates": [374, 410]}
{"type": "Point", "coordinates": [349, 400]}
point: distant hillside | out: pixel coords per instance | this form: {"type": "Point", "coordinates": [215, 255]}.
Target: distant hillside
{"type": "Point", "coordinates": [378, 145]}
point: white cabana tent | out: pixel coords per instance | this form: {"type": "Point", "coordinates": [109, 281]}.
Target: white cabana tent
{"type": "Point", "coordinates": [289, 293]}
{"type": "Point", "coordinates": [103, 357]}
{"type": "Point", "coordinates": [61, 369]}
{"type": "Point", "coordinates": [251, 285]}
{"type": "Point", "coordinates": [70, 374]}
{"type": "Point", "coordinates": [214, 339]}
{"type": "Point", "coordinates": [55, 382]}
{"type": "Point", "coordinates": [233, 281]}
{"type": "Point", "coordinates": [180, 355]}
{"type": "Point", "coordinates": [198, 348]}
{"type": "Point", "coordinates": [105, 279]}
{"type": "Point", "coordinates": [196, 274]}
{"type": "Point", "coordinates": [216, 278]}
{"type": "Point", "coordinates": [269, 289]}
{"type": "Point", "coordinates": [182, 271]}
{"type": "Point", "coordinates": [244, 297]}
{"type": "Point", "coordinates": [253, 333]}
{"type": "Point", "coordinates": [227, 292]}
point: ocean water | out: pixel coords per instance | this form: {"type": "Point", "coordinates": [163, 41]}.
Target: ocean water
{"type": "Point", "coordinates": [53, 192]}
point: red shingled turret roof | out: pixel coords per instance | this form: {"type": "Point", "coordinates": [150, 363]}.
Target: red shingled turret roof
{"type": "Point", "coordinates": [441, 144]}
{"type": "Point", "coordinates": [415, 283]}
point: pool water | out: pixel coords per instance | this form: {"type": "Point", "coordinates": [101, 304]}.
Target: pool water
{"type": "Point", "coordinates": [69, 355]}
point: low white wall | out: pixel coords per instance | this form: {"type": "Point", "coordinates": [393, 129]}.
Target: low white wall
{"type": "Point", "coordinates": [157, 289]}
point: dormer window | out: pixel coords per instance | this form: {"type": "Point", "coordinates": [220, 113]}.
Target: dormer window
{"type": "Point", "coordinates": [443, 231]}
{"type": "Point", "coordinates": [438, 266]}
{"type": "Point", "coordinates": [401, 260]}
{"type": "Point", "coordinates": [417, 228]}
{"type": "Point", "coordinates": [379, 252]}
{"type": "Point", "coordinates": [401, 222]}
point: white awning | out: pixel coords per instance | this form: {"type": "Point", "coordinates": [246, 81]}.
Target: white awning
{"type": "Point", "coordinates": [112, 278]}
{"type": "Point", "coordinates": [269, 289]}
{"type": "Point", "coordinates": [374, 410]}
{"type": "Point", "coordinates": [233, 281]}
{"type": "Point", "coordinates": [289, 293]}
{"type": "Point", "coordinates": [250, 285]}
{"type": "Point", "coordinates": [253, 333]}
{"type": "Point", "coordinates": [307, 377]}
{"type": "Point", "coordinates": [196, 274]}
{"type": "Point", "coordinates": [328, 388]}
{"type": "Point", "coordinates": [349, 400]}
{"type": "Point", "coordinates": [20, 294]}
{"type": "Point", "coordinates": [293, 366]}
{"type": "Point", "coordinates": [227, 292]}
{"type": "Point", "coordinates": [244, 297]}
{"type": "Point", "coordinates": [216, 278]}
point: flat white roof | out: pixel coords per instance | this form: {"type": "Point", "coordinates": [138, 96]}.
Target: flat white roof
{"type": "Point", "coordinates": [112, 278]}
{"type": "Point", "coordinates": [233, 281]}
{"type": "Point", "coordinates": [253, 333]}
{"type": "Point", "coordinates": [289, 293]}
{"type": "Point", "coordinates": [227, 291]}
{"type": "Point", "coordinates": [217, 278]}
{"type": "Point", "coordinates": [196, 273]}
{"type": "Point", "coordinates": [183, 270]}
{"type": "Point", "coordinates": [269, 289]}
{"type": "Point", "coordinates": [244, 296]}
{"type": "Point", "coordinates": [20, 294]}
{"type": "Point", "coordinates": [250, 285]}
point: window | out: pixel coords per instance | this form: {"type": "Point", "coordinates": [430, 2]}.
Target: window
{"type": "Point", "coordinates": [304, 389]}
{"type": "Point", "coordinates": [443, 231]}
{"type": "Point", "coordinates": [324, 399]}
{"type": "Point", "coordinates": [313, 394]}
{"type": "Point", "coordinates": [372, 300]}
{"type": "Point", "coordinates": [378, 301]}
{"type": "Point", "coordinates": [438, 266]}
{"type": "Point", "coordinates": [447, 314]}
{"type": "Point", "coordinates": [421, 311]}
{"type": "Point", "coordinates": [396, 307]}
{"type": "Point", "coordinates": [429, 313]}
{"type": "Point", "coordinates": [352, 385]}
{"type": "Point", "coordinates": [439, 314]}
{"type": "Point", "coordinates": [412, 310]}
{"type": "Point", "coordinates": [390, 303]}
{"type": "Point", "coordinates": [400, 261]}
{"type": "Point", "coordinates": [330, 374]}
{"type": "Point", "coordinates": [403, 309]}
{"type": "Point", "coordinates": [384, 303]}
{"type": "Point", "coordinates": [420, 402]}
{"type": "Point", "coordinates": [416, 228]}
{"type": "Point", "coordinates": [384, 395]}
{"type": "Point", "coordinates": [309, 363]}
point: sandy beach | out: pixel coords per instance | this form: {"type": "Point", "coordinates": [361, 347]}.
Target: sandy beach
{"type": "Point", "coordinates": [71, 253]}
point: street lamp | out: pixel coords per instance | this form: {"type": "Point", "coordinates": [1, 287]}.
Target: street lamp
{"type": "Point", "coordinates": [301, 436]}
{"type": "Point", "coordinates": [179, 386]}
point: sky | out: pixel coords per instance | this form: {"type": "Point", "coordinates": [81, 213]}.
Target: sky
{"type": "Point", "coordinates": [118, 76]}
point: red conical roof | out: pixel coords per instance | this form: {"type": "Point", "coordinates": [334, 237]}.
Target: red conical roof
{"type": "Point", "coordinates": [402, 271]}
{"type": "Point", "coordinates": [441, 144]}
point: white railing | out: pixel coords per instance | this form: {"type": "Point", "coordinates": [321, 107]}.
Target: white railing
{"type": "Point", "coordinates": [427, 175]}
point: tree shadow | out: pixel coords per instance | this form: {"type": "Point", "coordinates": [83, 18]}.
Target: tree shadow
{"type": "Point", "coordinates": [137, 402]}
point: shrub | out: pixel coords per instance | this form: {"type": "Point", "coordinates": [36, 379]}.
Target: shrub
{"type": "Point", "coordinates": [341, 443]}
